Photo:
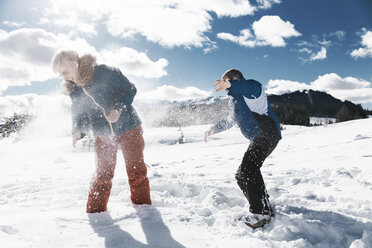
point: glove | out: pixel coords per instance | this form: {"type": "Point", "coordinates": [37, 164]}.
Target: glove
{"type": "Point", "coordinates": [75, 137]}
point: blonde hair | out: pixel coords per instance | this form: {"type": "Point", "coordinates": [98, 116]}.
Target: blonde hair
{"type": "Point", "coordinates": [63, 60]}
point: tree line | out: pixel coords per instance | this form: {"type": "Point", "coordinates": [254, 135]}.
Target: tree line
{"type": "Point", "coordinates": [14, 124]}
{"type": "Point", "coordinates": [296, 108]}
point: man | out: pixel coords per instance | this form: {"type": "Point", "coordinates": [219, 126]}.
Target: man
{"type": "Point", "coordinates": [252, 112]}
{"type": "Point", "coordinates": [102, 98]}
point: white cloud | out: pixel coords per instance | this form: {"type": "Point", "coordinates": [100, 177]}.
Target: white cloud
{"type": "Point", "coordinates": [210, 46]}
{"type": "Point", "coordinates": [332, 81]}
{"type": "Point", "coordinates": [322, 54]}
{"type": "Point", "coordinates": [266, 4]}
{"type": "Point", "coordinates": [73, 23]}
{"type": "Point", "coordinates": [76, 16]}
{"type": "Point", "coordinates": [230, 8]}
{"type": "Point", "coordinates": [170, 23]}
{"type": "Point", "coordinates": [268, 31]}
{"type": "Point", "coordinates": [171, 93]}
{"type": "Point", "coordinates": [360, 96]}
{"type": "Point", "coordinates": [348, 88]}
{"type": "Point", "coordinates": [304, 43]}
{"type": "Point", "coordinates": [13, 24]}
{"type": "Point", "coordinates": [325, 42]}
{"type": "Point", "coordinates": [366, 50]}
{"type": "Point", "coordinates": [244, 39]}
{"type": "Point", "coordinates": [280, 86]}
{"type": "Point", "coordinates": [340, 34]}
{"type": "Point", "coordinates": [305, 50]}
{"type": "Point", "coordinates": [272, 30]}
{"type": "Point", "coordinates": [317, 49]}
{"type": "Point", "coordinates": [44, 20]}
{"type": "Point", "coordinates": [25, 56]}
{"type": "Point", "coordinates": [135, 63]}
{"type": "Point", "coordinates": [167, 23]}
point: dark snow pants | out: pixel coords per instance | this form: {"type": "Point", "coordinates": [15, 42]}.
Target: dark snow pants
{"type": "Point", "coordinates": [132, 146]}
{"type": "Point", "coordinates": [249, 176]}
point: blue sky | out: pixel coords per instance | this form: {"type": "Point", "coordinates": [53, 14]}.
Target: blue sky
{"type": "Point", "coordinates": [176, 49]}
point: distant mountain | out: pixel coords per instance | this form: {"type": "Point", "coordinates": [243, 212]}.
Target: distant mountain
{"type": "Point", "coordinates": [317, 103]}
{"type": "Point", "coordinates": [297, 107]}
{"type": "Point", "coordinates": [293, 108]}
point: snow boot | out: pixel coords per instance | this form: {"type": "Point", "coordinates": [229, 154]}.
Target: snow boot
{"type": "Point", "coordinates": [256, 220]}
{"type": "Point", "coordinates": [99, 194]}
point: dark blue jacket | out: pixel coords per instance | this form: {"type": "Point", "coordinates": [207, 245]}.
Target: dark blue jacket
{"type": "Point", "coordinates": [247, 100]}
{"type": "Point", "coordinates": [111, 90]}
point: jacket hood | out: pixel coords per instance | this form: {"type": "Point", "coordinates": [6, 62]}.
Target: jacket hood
{"type": "Point", "coordinates": [86, 70]}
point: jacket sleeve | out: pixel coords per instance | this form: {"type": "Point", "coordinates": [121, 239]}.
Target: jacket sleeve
{"type": "Point", "coordinates": [81, 121]}
{"type": "Point", "coordinates": [249, 88]}
{"type": "Point", "coordinates": [124, 90]}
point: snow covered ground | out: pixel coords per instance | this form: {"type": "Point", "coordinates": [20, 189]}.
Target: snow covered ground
{"type": "Point", "coordinates": [319, 180]}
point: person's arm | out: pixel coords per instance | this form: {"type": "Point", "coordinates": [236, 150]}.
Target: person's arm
{"type": "Point", "coordinates": [123, 96]}
{"type": "Point", "coordinates": [249, 88]}
{"type": "Point", "coordinates": [224, 124]}
{"type": "Point", "coordinates": [124, 89]}
{"type": "Point", "coordinates": [80, 115]}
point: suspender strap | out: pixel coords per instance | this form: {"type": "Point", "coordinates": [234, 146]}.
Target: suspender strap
{"type": "Point", "coordinates": [102, 109]}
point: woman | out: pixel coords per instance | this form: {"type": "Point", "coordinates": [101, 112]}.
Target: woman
{"type": "Point", "coordinates": [102, 99]}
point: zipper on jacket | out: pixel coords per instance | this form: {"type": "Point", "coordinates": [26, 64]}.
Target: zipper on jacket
{"type": "Point", "coordinates": [102, 109]}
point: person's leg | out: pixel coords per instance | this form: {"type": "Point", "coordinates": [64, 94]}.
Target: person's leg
{"type": "Point", "coordinates": [99, 193]}
{"type": "Point", "coordinates": [249, 176]}
{"type": "Point", "coordinates": [132, 145]}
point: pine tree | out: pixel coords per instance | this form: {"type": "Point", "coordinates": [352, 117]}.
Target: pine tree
{"type": "Point", "coordinates": [14, 124]}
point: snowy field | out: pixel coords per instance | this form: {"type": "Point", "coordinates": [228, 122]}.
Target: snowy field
{"type": "Point", "coordinates": [319, 180]}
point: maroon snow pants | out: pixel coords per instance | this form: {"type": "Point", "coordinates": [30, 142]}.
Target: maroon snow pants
{"type": "Point", "coordinates": [132, 146]}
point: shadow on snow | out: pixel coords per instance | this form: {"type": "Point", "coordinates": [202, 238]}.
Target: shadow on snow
{"type": "Point", "coordinates": [156, 232]}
